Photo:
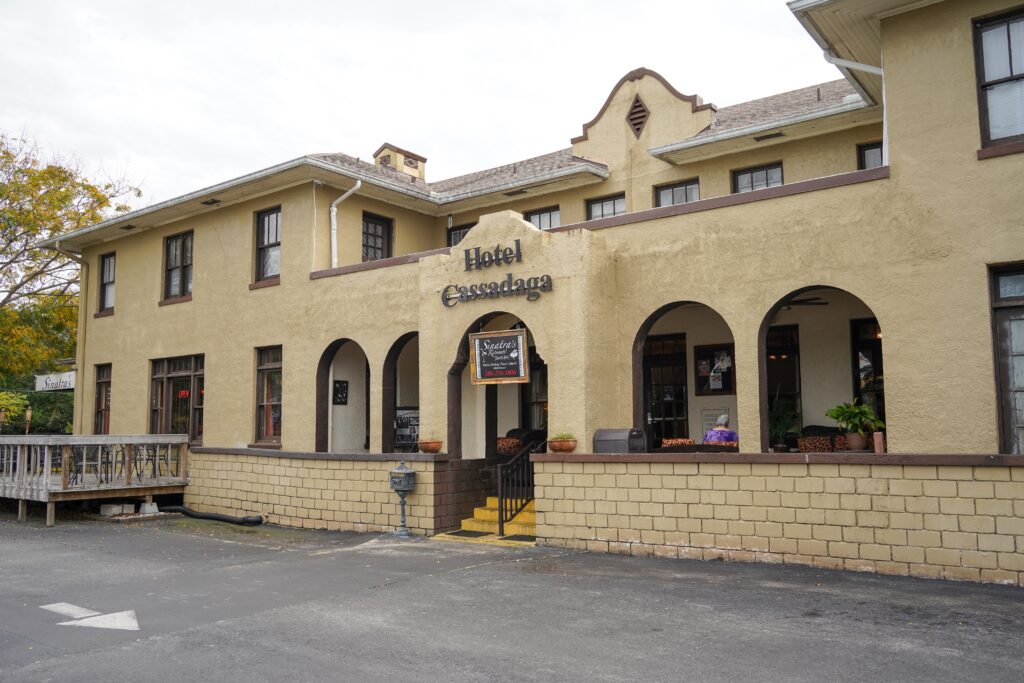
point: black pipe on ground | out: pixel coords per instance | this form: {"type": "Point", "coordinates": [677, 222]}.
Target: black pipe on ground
{"type": "Point", "coordinates": [252, 520]}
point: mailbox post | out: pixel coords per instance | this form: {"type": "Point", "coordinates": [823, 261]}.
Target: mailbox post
{"type": "Point", "coordinates": [403, 482]}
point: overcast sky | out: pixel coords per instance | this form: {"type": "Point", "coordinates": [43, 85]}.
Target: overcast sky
{"type": "Point", "coordinates": [179, 95]}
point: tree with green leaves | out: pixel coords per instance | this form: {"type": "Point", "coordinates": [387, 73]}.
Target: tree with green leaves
{"type": "Point", "coordinates": [40, 199]}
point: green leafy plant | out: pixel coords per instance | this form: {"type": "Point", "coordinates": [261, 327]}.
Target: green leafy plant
{"type": "Point", "coordinates": [855, 417]}
{"type": "Point", "coordinates": [783, 421]}
{"type": "Point", "coordinates": [563, 436]}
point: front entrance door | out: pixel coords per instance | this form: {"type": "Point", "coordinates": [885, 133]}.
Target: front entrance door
{"type": "Point", "coordinates": [665, 404]}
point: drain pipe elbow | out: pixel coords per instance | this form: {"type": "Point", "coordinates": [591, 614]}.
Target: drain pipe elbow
{"type": "Point", "coordinates": [334, 221]}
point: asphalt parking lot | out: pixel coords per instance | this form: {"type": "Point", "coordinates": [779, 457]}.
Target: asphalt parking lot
{"type": "Point", "coordinates": [218, 602]}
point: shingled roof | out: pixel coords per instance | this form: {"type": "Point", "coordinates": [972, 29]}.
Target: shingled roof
{"type": "Point", "coordinates": [776, 107]}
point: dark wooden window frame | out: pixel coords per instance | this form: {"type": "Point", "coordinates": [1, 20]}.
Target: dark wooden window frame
{"type": "Point", "coordinates": [591, 203]}
{"type": "Point", "coordinates": [388, 236]}
{"type": "Point", "coordinates": [160, 395]}
{"type": "Point", "coordinates": [104, 309]}
{"type": "Point", "coordinates": [658, 189]}
{"type": "Point", "coordinates": [528, 216]}
{"type": "Point", "coordinates": [879, 368]}
{"type": "Point", "coordinates": [184, 292]}
{"type": "Point", "coordinates": [260, 275]}
{"type": "Point", "coordinates": [754, 169]}
{"type": "Point", "coordinates": [980, 24]}
{"type": "Point", "coordinates": [264, 367]}
{"type": "Point", "coordinates": [651, 360]}
{"type": "Point", "coordinates": [455, 230]}
{"type": "Point", "coordinates": [1000, 307]}
{"type": "Point", "coordinates": [862, 150]}
{"type": "Point", "coordinates": [101, 417]}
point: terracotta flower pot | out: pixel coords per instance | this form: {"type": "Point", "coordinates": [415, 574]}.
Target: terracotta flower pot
{"type": "Point", "coordinates": [856, 442]}
{"type": "Point", "coordinates": [430, 446]}
{"type": "Point", "coordinates": [562, 445]}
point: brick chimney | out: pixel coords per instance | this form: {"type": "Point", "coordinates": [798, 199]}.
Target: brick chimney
{"type": "Point", "coordinates": [401, 160]}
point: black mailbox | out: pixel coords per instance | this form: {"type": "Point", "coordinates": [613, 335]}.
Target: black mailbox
{"type": "Point", "coordinates": [620, 441]}
{"type": "Point", "coordinates": [403, 479]}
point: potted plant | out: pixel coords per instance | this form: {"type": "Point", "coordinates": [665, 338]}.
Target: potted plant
{"type": "Point", "coordinates": [562, 442]}
{"type": "Point", "coordinates": [856, 419]}
{"type": "Point", "coordinates": [783, 422]}
{"type": "Point", "coordinates": [429, 445]}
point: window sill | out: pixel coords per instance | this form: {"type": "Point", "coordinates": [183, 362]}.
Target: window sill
{"type": "Point", "coordinates": [276, 445]}
{"type": "Point", "coordinates": [175, 300]}
{"type": "Point", "coordinates": [269, 282]}
{"type": "Point", "coordinates": [104, 313]}
{"type": "Point", "coordinates": [1001, 149]}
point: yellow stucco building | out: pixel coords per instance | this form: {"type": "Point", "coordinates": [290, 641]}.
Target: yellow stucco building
{"type": "Point", "coordinates": [856, 239]}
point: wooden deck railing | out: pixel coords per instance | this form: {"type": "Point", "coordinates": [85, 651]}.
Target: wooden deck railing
{"type": "Point", "coordinates": [38, 467]}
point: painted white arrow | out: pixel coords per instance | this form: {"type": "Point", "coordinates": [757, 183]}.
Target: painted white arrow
{"type": "Point", "coordinates": [66, 609]}
{"type": "Point", "coordinates": [124, 621]}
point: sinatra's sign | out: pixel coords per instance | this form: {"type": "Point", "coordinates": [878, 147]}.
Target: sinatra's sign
{"type": "Point", "coordinates": [499, 357]}
{"type": "Point", "coordinates": [480, 259]}
{"type": "Point", "coordinates": [57, 382]}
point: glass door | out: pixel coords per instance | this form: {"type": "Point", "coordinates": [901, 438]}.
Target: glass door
{"type": "Point", "coordinates": [665, 402]}
{"type": "Point", "coordinates": [1010, 353]}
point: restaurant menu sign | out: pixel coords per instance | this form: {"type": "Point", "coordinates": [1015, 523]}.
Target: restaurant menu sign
{"type": "Point", "coordinates": [499, 357]}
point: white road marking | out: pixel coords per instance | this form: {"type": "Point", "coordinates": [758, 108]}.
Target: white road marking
{"type": "Point", "coordinates": [124, 621]}
{"type": "Point", "coordinates": [68, 610]}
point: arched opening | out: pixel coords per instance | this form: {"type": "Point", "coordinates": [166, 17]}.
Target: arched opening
{"type": "Point", "coordinates": [342, 399]}
{"type": "Point", "coordinates": [684, 374]}
{"type": "Point", "coordinates": [400, 414]}
{"type": "Point", "coordinates": [478, 415]}
{"type": "Point", "coordinates": [819, 347]}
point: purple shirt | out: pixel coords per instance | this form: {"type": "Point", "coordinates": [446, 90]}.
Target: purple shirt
{"type": "Point", "coordinates": [720, 435]}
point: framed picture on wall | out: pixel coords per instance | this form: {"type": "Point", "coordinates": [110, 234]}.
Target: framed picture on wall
{"type": "Point", "coordinates": [714, 369]}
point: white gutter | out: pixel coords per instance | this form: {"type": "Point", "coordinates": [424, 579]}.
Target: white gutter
{"type": "Point", "coordinates": [756, 128]}
{"type": "Point", "coordinates": [831, 58]}
{"type": "Point", "coordinates": [334, 221]}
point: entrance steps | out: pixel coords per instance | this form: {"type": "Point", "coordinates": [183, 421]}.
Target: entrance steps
{"type": "Point", "coordinates": [482, 527]}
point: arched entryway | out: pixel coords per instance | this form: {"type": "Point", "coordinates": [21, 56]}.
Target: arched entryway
{"type": "Point", "coordinates": [684, 373]}
{"type": "Point", "coordinates": [819, 346]}
{"type": "Point", "coordinates": [479, 414]}
{"type": "Point", "coordinates": [342, 399]}
{"type": "Point", "coordinates": [401, 395]}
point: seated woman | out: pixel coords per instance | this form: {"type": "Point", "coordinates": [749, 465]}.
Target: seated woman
{"type": "Point", "coordinates": [721, 433]}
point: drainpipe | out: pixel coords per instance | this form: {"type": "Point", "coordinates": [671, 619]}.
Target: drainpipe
{"type": "Point", "coordinates": [78, 423]}
{"type": "Point", "coordinates": [877, 71]}
{"type": "Point", "coordinates": [334, 221]}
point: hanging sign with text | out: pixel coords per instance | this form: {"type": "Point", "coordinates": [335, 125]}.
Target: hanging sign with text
{"type": "Point", "coordinates": [499, 357]}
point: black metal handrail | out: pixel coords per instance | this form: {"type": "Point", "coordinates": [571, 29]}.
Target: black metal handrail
{"type": "Point", "coordinates": [515, 484]}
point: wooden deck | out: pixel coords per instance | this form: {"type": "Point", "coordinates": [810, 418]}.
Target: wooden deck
{"type": "Point", "coordinates": [51, 469]}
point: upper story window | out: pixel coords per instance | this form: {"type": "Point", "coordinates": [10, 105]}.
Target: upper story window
{"type": "Point", "coordinates": [457, 233]}
{"type": "Point", "coordinates": [678, 193]}
{"type": "Point", "coordinates": [376, 237]}
{"type": "Point", "coordinates": [869, 155]}
{"type": "Point", "coordinates": [268, 394]}
{"type": "Point", "coordinates": [101, 420]}
{"type": "Point", "coordinates": [268, 244]}
{"type": "Point", "coordinates": [107, 263]}
{"type": "Point", "coordinates": [178, 266]}
{"type": "Point", "coordinates": [545, 219]}
{"type": "Point", "coordinates": [999, 50]}
{"type": "Point", "coordinates": [176, 396]}
{"type": "Point", "coordinates": [758, 178]}
{"type": "Point", "coordinates": [606, 207]}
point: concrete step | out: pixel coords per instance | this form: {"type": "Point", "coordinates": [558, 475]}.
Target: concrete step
{"type": "Point", "coordinates": [511, 528]}
{"type": "Point", "coordinates": [491, 515]}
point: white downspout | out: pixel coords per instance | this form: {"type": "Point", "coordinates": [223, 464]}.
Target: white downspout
{"type": "Point", "coordinates": [877, 71]}
{"type": "Point", "coordinates": [334, 221]}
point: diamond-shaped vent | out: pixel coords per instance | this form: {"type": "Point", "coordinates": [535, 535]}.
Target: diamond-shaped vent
{"type": "Point", "coordinates": [637, 116]}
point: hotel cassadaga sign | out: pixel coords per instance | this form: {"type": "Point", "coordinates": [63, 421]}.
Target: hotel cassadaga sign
{"type": "Point", "coordinates": [478, 259]}
{"type": "Point", "coordinates": [499, 357]}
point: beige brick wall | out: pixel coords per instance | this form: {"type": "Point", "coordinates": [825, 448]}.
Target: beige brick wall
{"type": "Point", "coordinates": [349, 495]}
{"type": "Point", "coordinates": [951, 522]}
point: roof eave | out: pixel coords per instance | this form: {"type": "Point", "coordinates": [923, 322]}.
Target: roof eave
{"type": "Point", "coordinates": [583, 168]}
{"type": "Point", "coordinates": [665, 152]}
